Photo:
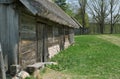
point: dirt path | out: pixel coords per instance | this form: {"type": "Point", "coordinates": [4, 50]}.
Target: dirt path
{"type": "Point", "coordinates": [52, 74]}
{"type": "Point", "coordinates": [113, 39]}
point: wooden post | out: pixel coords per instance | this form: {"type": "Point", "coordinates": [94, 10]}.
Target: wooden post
{"type": "Point", "coordinates": [42, 38]}
{"type": "Point", "coordinates": [39, 42]}
{"type": "Point", "coordinates": [71, 35]}
{"type": "Point", "coordinates": [12, 18]}
{"type": "Point", "coordinates": [45, 43]}
{"type": "Point", "coordinates": [9, 32]}
{"type": "Point", "coordinates": [2, 65]}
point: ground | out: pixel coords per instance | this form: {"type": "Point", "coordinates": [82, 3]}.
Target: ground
{"type": "Point", "coordinates": [113, 39]}
{"type": "Point", "coordinates": [52, 74]}
{"type": "Point", "coordinates": [92, 57]}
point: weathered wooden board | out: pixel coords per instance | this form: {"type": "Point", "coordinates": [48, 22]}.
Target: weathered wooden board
{"type": "Point", "coordinates": [28, 5]}
{"type": "Point", "coordinates": [28, 40]}
{"type": "Point", "coordinates": [12, 23]}
{"type": "Point", "coordinates": [40, 35]}
{"type": "Point", "coordinates": [71, 35]}
{"type": "Point", "coordinates": [45, 44]}
{"type": "Point", "coordinates": [53, 36]}
{"type": "Point", "coordinates": [2, 65]}
{"type": "Point", "coordinates": [9, 32]}
{"type": "Point", "coordinates": [42, 53]}
{"type": "Point", "coordinates": [6, 1]}
{"type": "Point", "coordinates": [61, 38]}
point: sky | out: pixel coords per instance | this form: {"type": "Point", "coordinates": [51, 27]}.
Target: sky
{"type": "Point", "coordinates": [73, 1]}
{"type": "Point", "coordinates": [74, 4]}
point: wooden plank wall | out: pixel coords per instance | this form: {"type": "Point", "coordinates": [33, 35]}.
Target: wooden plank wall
{"type": "Point", "coordinates": [55, 35]}
{"type": "Point", "coordinates": [67, 43]}
{"type": "Point", "coordinates": [9, 32]}
{"type": "Point", "coordinates": [6, 1]}
{"type": "Point", "coordinates": [61, 37]}
{"type": "Point", "coordinates": [53, 40]}
{"type": "Point", "coordinates": [50, 36]}
{"type": "Point", "coordinates": [42, 42]}
{"type": "Point", "coordinates": [66, 34]}
{"type": "Point", "coordinates": [28, 40]}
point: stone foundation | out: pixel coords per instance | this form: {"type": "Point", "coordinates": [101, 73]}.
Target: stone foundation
{"type": "Point", "coordinates": [67, 44]}
{"type": "Point", "coordinates": [56, 49]}
{"type": "Point", "coordinates": [53, 50]}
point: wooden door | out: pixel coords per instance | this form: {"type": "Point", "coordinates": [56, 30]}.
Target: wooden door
{"type": "Point", "coordinates": [42, 42]}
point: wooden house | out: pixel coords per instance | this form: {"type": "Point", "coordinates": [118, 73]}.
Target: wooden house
{"type": "Point", "coordinates": [33, 30]}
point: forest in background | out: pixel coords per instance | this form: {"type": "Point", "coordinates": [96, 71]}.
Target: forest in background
{"type": "Point", "coordinates": [95, 16]}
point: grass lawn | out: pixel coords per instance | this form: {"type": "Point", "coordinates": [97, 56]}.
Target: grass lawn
{"type": "Point", "coordinates": [89, 58]}
{"type": "Point", "coordinates": [116, 35]}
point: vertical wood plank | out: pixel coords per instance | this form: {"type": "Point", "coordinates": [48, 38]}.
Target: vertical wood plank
{"type": "Point", "coordinates": [12, 23]}
{"type": "Point", "coordinates": [45, 44]}
{"type": "Point", "coordinates": [2, 65]}
{"type": "Point", "coordinates": [9, 32]}
{"type": "Point", "coordinates": [3, 29]}
{"type": "Point", "coordinates": [71, 35]}
{"type": "Point", "coordinates": [40, 42]}
{"type": "Point", "coordinates": [61, 38]}
{"type": "Point", "coordinates": [4, 34]}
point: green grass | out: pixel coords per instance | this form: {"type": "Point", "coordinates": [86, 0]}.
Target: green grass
{"type": "Point", "coordinates": [89, 58]}
{"type": "Point", "coordinates": [118, 35]}
{"type": "Point", "coordinates": [30, 77]}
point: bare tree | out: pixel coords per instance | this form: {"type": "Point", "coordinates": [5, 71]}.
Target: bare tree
{"type": "Point", "coordinates": [98, 9]}
{"type": "Point", "coordinates": [83, 4]}
{"type": "Point", "coordinates": [114, 13]}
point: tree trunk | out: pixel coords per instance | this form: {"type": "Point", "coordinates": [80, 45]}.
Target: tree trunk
{"type": "Point", "coordinates": [101, 28]}
{"type": "Point", "coordinates": [111, 30]}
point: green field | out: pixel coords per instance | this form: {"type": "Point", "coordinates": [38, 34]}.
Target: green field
{"type": "Point", "coordinates": [91, 57]}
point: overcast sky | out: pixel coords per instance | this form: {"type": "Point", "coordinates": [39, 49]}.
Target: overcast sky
{"type": "Point", "coordinates": [74, 4]}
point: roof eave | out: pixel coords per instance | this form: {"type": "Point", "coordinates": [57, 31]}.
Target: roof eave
{"type": "Point", "coordinates": [29, 7]}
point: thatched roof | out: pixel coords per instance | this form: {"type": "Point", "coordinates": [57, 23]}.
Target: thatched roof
{"type": "Point", "coordinates": [49, 10]}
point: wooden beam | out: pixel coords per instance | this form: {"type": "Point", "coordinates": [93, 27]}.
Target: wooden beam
{"type": "Point", "coordinates": [28, 5]}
